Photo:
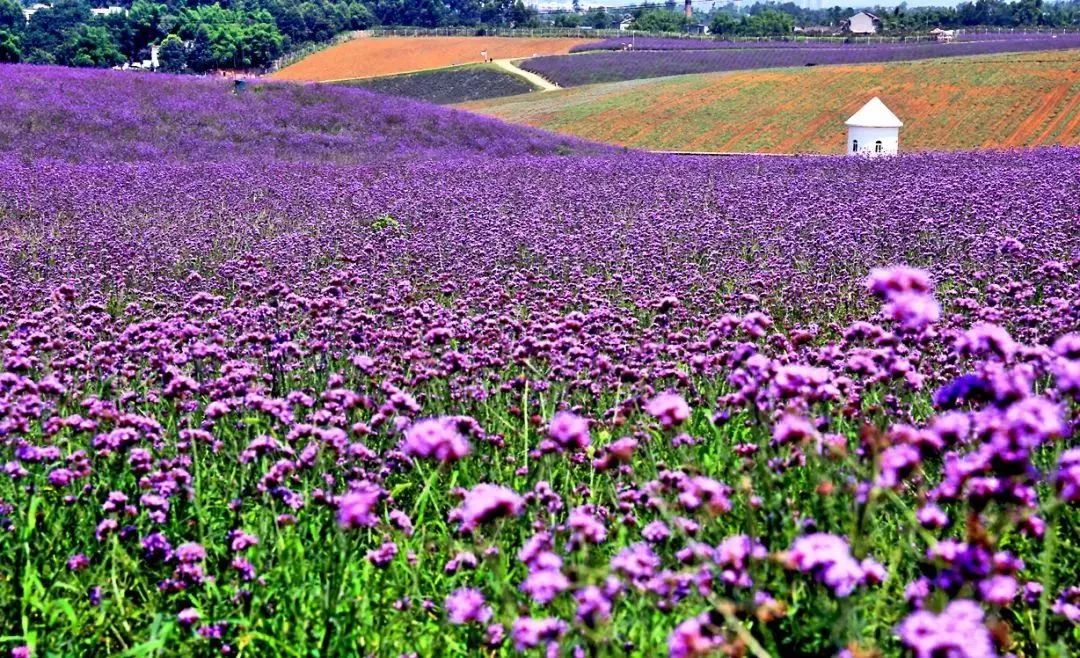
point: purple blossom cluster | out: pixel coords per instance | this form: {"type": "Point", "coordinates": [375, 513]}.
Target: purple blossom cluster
{"type": "Point", "coordinates": [665, 60]}
{"type": "Point", "coordinates": [537, 404]}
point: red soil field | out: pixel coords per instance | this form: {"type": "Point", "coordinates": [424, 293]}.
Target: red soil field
{"type": "Point", "coordinates": [369, 57]}
{"type": "Point", "coordinates": [991, 101]}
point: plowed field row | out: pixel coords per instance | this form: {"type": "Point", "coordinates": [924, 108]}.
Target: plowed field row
{"type": "Point", "coordinates": [376, 56]}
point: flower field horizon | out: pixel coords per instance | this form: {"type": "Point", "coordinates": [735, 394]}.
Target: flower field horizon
{"type": "Point", "coordinates": [497, 393]}
{"type": "Point", "coordinates": [597, 67]}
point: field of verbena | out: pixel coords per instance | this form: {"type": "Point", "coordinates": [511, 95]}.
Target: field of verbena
{"type": "Point", "coordinates": [589, 68]}
{"type": "Point", "coordinates": [596, 406]}
{"type": "Point", "coordinates": [685, 43]}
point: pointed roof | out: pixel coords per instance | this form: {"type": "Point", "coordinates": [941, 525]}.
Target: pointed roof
{"type": "Point", "coordinates": [874, 115]}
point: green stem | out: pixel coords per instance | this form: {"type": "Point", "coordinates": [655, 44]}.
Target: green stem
{"type": "Point", "coordinates": [1050, 545]}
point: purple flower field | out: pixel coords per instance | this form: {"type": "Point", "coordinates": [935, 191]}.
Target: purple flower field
{"type": "Point", "coordinates": [82, 114]}
{"type": "Point", "coordinates": [591, 68]}
{"type": "Point", "coordinates": [678, 43]}
{"type": "Point", "coordinates": [603, 404]}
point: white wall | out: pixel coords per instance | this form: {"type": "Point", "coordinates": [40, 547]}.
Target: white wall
{"type": "Point", "coordinates": [867, 139]}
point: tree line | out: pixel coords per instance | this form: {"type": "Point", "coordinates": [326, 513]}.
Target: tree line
{"type": "Point", "coordinates": [198, 36]}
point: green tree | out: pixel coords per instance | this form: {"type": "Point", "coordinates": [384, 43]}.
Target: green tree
{"type": "Point", "coordinates": [1027, 12]}
{"type": "Point", "coordinates": [172, 55]}
{"type": "Point", "coordinates": [597, 18]}
{"type": "Point", "coordinates": [360, 17]}
{"type": "Point", "coordinates": [200, 58]}
{"type": "Point", "coordinates": [145, 19]}
{"type": "Point", "coordinates": [769, 22]}
{"type": "Point", "coordinates": [522, 16]}
{"type": "Point", "coordinates": [11, 16]}
{"type": "Point", "coordinates": [121, 31]}
{"type": "Point", "coordinates": [10, 48]}
{"type": "Point", "coordinates": [723, 23]}
{"type": "Point", "coordinates": [658, 20]}
{"type": "Point", "coordinates": [48, 28]}
{"type": "Point", "coordinates": [89, 45]}
{"type": "Point", "coordinates": [261, 44]}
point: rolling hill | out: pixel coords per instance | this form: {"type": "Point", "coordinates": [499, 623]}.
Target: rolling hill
{"type": "Point", "coordinates": [86, 114]}
{"type": "Point", "coordinates": [947, 104]}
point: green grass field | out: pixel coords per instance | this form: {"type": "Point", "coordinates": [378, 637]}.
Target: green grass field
{"type": "Point", "coordinates": [451, 85]}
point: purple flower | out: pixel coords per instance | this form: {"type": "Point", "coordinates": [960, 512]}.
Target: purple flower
{"type": "Point", "coordinates": [1068, 604]}
{"type": "Point", "coordinates": [569, 431]}
{"type": "Point", "coordinates": [957, 632]}
{"type": "Point", "coordinates": [383, 555]}
{"type": "Point", "coordinates": [988, 340]}
{"type": "Point", "coordinates": [543, 585]}
{"type": "Point", "coordinates": [436, 439]}
{"type": "Point", "coordinates": [1067, 478]}
{"type": "Point", "coordinates": [999, 590]}
{"type": "Point", "coordinates": [78, 562]}
{"type": "Point", "coordinates": [889, 282]}
{"type": "Point", "coordinates": [190, 553]}
{"type": "Point", "coordinates": [593, 605]}
{"type": "Point", "coordinates": [793, 429]}
{"type": "Point", "coordinates": [932, 516]}
{"type": "Point", "coordinates": [188, 617]}
{"type": "Point", "coordinates": [669, 408]}
{"type": "Point", "coordinates": [529, 633]}
{"type": "Point", "coordinates": [465, 606]}
{"type": "Point", "coordinates": [656, 532]}
{"type": "Point", "coordinates": [484, 503]}
{"type": "Point", "coordinates": [696, 637]}
{"type": "Point", "coordinates": [912, 310]}
{"type": "Point", "coordinates": [355, 508]}
{"type": "Point", "coordinates": [828, 558]}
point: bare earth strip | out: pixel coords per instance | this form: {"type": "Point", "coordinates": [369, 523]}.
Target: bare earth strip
{"type": "Point", "coordinates": [369, 57]}
{"type": "Point", "coordinates": [992, 101]}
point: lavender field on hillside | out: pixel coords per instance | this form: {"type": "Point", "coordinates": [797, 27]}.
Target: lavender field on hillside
{"type": "Point", "coordinates": [611, 404]}
{"type": "Point", "coordinates": [92, 115]}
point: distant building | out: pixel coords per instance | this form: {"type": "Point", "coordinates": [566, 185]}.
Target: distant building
{"type": "Point", "coordinates": [939, 34]}
{"type": "Point", "coordinates": [873, 131]}
{"type": "Point", "coordinates": [862, 23]}
{"type": "Point", "coordinates": [107, 11]}
{"type": "Point", "coordinates": [33, 9]}
{"type": "Point", "coordinates": [626, 22]}
{"type": "Point", "coordinates": [697, 28]}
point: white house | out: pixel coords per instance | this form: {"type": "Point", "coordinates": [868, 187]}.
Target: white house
{"type": "Point", "coordinates": [873, 131]}
{"type": "Point", "coordinates": [107, 11]}
{"type": "Point", "coordinates": [862, 23]}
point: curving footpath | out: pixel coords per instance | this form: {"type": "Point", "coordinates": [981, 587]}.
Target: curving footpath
{"type": "Point", "coordinates": [509, 66]}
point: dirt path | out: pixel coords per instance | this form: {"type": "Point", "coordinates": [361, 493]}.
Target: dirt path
{"type": "Point", "coordinates": [508, 66]}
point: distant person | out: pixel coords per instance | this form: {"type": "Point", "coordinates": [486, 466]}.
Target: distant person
{"type": "Point", "coordinates": [484, 54]}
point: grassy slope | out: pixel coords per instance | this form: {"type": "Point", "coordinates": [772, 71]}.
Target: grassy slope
{"type": "Point", "coordinates": [946, 104]}
{"type": "Point", "coordinates": [452, 85]}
